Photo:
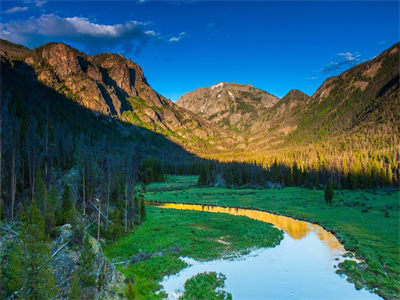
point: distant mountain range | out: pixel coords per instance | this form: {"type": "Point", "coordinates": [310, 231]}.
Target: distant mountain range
{"type": "Point", "coordinates": [363, 98]}
{"type": "Point", "coordinates": [226, 117]}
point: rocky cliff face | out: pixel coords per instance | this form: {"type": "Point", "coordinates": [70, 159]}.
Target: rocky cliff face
{"type": "Point", "coordinates": [110, 282]}
{"type": "Point", "coordinates": [112, 85]}
{"type": "Point", "coordinates": [230, 105]}
{"type": "Point", "coordinates": [226, 116]}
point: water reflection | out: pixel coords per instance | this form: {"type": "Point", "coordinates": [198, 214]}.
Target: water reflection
{"type": "Point", "coordinates": [296, 229]}
{"type": "Point", "coordinates": [300, 267]}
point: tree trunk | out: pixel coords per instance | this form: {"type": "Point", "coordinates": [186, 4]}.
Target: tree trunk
{"type": "Point", "coordinates": [126, 210]}
{"type": "Point", "coordinates": [98, 221]}
{"type": "Point", "coordinates": [46, 147]}
{"type": "Point", "coordinates": [1, 139]}
{"type": "Point", "coordinates": [1, 203]}
{"type": "Point", "coordinates": [13, 177]}
{"type": "Point", "coordinates": [83, 189]}
{"type": "Point", "coordinates": [108, 189]}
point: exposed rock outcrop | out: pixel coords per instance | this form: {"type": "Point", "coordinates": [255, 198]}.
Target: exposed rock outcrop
{"type": "Point", "coordinates": [230, 105]}
{"type": "Point", "coordinates": [110, 283]}
{"type": "Point", "coordinates": [112, 85]}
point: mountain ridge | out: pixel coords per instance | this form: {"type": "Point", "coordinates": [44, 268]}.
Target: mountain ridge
{"type": "Point", "coordinates": [229, 105]}
{"type": "Point", "coordinates": [225, 117]}
{"type": "Point", "coordinates": [348, 102]}
{"type": "Point", "coordinates": [112, 85]}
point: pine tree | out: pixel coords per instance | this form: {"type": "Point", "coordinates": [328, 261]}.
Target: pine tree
{"type": "Point", "coordinates": [67, 206]}
{"type": "Point", "coordinates": [114, 231]}
{"type": "Point", "coordinates": [136, 204]}
{"type": "Point", "coordinates": [275, 172]}
{"type": "Point", "coordinates": [35, 276]}
{"type": "Point", "coordinates": [329, 192]}
{"type": "Point", "coordinates": [86, 271]}
{"type": "Point", "coordinates": [75, 287]}
{"type": "Point", "coordinates": [15, 269]}
{"type": "Point", "coordinates": [130, 292]}
{"type": "Point", "coordinates": [202, 180]}
{"type": "Point", "coordinates": [236, 175]}
{"type": "Point", "coordinates": [49, 215]}
{"type": "Point", "coordinates": [389, 175]}
{"type": "Point", "coordinates": [40, 194]}
{"type": "Point", "coordinates": [142, 209]}
{"type": "Point", "coordinates": [52, 199]}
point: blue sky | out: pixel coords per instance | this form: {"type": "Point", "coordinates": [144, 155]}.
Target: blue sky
{"type": "Point", "coordinates": [183, 45]}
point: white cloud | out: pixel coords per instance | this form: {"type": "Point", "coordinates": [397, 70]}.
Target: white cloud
{"type": "Point", "coordinates": [82, 26]}
{"type": "Point", "coordinates": [177, 38]}
{"type": "Point", "coordinates": [151, 32]}
{"type": "Point", "coordinates": [16, 9]}
{"type": "Point", "coordinates": [349, 56]}
{"type": "Point", "coordinates": [347, 59]}
{"type": "Point", "coordinates": [131, 35]}
{"type": "Point", "coordinates": [40, 3]}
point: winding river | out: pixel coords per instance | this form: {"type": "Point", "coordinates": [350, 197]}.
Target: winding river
{"type": "Point", "coordinates": [302, 266]}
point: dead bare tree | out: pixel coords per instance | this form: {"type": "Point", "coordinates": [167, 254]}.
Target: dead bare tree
{"type": "Point", "coordinates": [1, 139]}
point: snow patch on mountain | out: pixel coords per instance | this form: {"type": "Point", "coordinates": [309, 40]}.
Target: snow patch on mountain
{"type": "Point", "coordinates": [219, 85]}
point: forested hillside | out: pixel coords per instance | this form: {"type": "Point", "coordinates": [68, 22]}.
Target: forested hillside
{"type": "Point", "coordinates": [112, 85]}
{"type": "Point", "coordinates": [80, 133]}
{"type": "Point", "coordinates": [60, 163]}
{"type": "Point", "coordinates": [348, 130]}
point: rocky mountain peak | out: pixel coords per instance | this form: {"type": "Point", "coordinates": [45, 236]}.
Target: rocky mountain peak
{"type": "Point", "coordinates": [64, 59]}
{"type": "Point", "coordinates": [224, 115]}
{"type": "Point", "coordinates": [127, 75]}
{"type": "Point", "coordinates": [230, 105]}
{"type": "Point", "coordinates": [294, 97]}
{"type": "Point", "coordinates": [12, 50]}
{"type": "Point", "coordinates": [288, 103]}
{"type": "Point", "coordinates": [109, 84]}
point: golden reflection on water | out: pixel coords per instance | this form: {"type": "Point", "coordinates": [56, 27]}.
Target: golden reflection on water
{"type": "Point", "coordinates": [295, 228]}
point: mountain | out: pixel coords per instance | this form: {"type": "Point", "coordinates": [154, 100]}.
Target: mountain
{"type": "Point", "coordinates": [361, 99]}
{"type": "Point", "coordinates": [289, 102]}
{"type": "Point", "coordinates": [29, 106]}
{"type": "Point", "coordinates": [229, 105]}
{"type": "Point", "coordinates": [111, 85]}
{"type": "Point", "coordinates": [226, 120]}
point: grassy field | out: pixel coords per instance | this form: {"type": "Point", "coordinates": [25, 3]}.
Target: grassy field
{"type": "Point", "coordinates": [366, 222]}
{"type": "Point", "coordinates": [168, 234]}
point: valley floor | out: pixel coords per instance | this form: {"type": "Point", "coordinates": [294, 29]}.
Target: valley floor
{"type": "Point", "coordinates": [366, 222]}
{"type": "Point", "coordinates": [167, 234]}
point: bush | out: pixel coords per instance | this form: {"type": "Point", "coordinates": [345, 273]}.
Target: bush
{"type": "Point", "coordinates": [329, 192]}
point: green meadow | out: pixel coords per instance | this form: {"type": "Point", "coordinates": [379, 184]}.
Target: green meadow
{"type": "Point", "coordinates": [168, 234]}
{"type": "Point", "coordinates": [366, 221]}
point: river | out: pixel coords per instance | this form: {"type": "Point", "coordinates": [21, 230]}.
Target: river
{"type": "Point", "coordinates": [302, 266]}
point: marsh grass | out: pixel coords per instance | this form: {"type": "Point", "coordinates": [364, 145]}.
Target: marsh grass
{"type": "Point", "coordinates": [207, 285]}
{"type": "Point", "coordinates": [168, 234]}
{"type": "Point", "coordinates": [365, 221]}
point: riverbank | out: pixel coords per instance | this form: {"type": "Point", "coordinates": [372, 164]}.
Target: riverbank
{"type": "Point", "coordinates": [167, 234]}
{"type": "Point", "coordinates": [366, 222]}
